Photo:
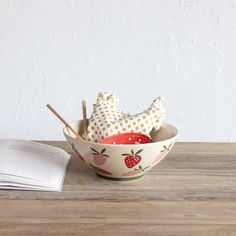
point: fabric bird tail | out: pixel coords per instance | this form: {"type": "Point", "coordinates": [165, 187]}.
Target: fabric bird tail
{"type": "Point", "coordinates": [157, 111]}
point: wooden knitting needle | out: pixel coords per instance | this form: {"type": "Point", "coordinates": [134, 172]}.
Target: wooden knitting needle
{"type": "Point", "coordinates": [64, 122]}
{"type": "Point", "coordinates": [85, 124]}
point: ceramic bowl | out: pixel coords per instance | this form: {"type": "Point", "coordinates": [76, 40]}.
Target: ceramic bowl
{"type": "Point", "coordinates": [123, 162]}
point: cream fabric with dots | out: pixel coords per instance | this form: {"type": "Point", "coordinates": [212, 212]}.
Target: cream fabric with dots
{"type": "Point", "coordinates": [107, 119]}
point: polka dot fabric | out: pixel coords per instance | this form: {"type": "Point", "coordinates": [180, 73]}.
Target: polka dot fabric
{"type": "Point", "coordinates": [107, 119]}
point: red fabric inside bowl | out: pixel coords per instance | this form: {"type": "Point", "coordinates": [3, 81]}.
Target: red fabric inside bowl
{"type": "Point", "coordinates": [127, 138]}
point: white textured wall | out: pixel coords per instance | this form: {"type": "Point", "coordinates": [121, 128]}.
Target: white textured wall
{"type": "Point", "coordinates": [63, 51]}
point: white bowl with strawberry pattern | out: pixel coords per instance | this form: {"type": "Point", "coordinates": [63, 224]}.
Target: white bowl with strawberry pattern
{"type": "Point", "coordinates": [123, 162]}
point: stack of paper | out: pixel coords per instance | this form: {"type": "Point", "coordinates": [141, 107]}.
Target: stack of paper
{"type": "Point", "coordinates": [28, 165]}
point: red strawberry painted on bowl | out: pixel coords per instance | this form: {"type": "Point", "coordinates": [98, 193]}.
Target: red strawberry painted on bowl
{"type": "Point", "coordinates": [136, 171]}
{"type": "Point", "coordinates": [100, 170]}
{"type": "Point", "coordinates": [132, 173]}
{"type": "Point", "coordinates": [99, 158]}
{"type": "Point", "coordinates": [132, 159]}
{"type": "Point", "coordinates": [162, 154]}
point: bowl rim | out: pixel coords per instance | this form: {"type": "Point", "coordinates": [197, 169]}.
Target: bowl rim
{"type": "Point", "coordinates": [120, 145]}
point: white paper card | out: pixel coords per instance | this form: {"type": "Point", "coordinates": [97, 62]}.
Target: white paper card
{"type": "Point", "coordinates": [30, 165]}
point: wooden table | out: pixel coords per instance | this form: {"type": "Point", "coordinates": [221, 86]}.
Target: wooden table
{"type": "Point", "coordinates": [191, 192]}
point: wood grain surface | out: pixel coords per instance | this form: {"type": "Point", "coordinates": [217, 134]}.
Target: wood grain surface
{"type": "Point", "coordinates": [191, 192]}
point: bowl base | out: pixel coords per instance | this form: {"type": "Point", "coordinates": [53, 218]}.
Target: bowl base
{"type": "Point", "coordinates": [119, 179]}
